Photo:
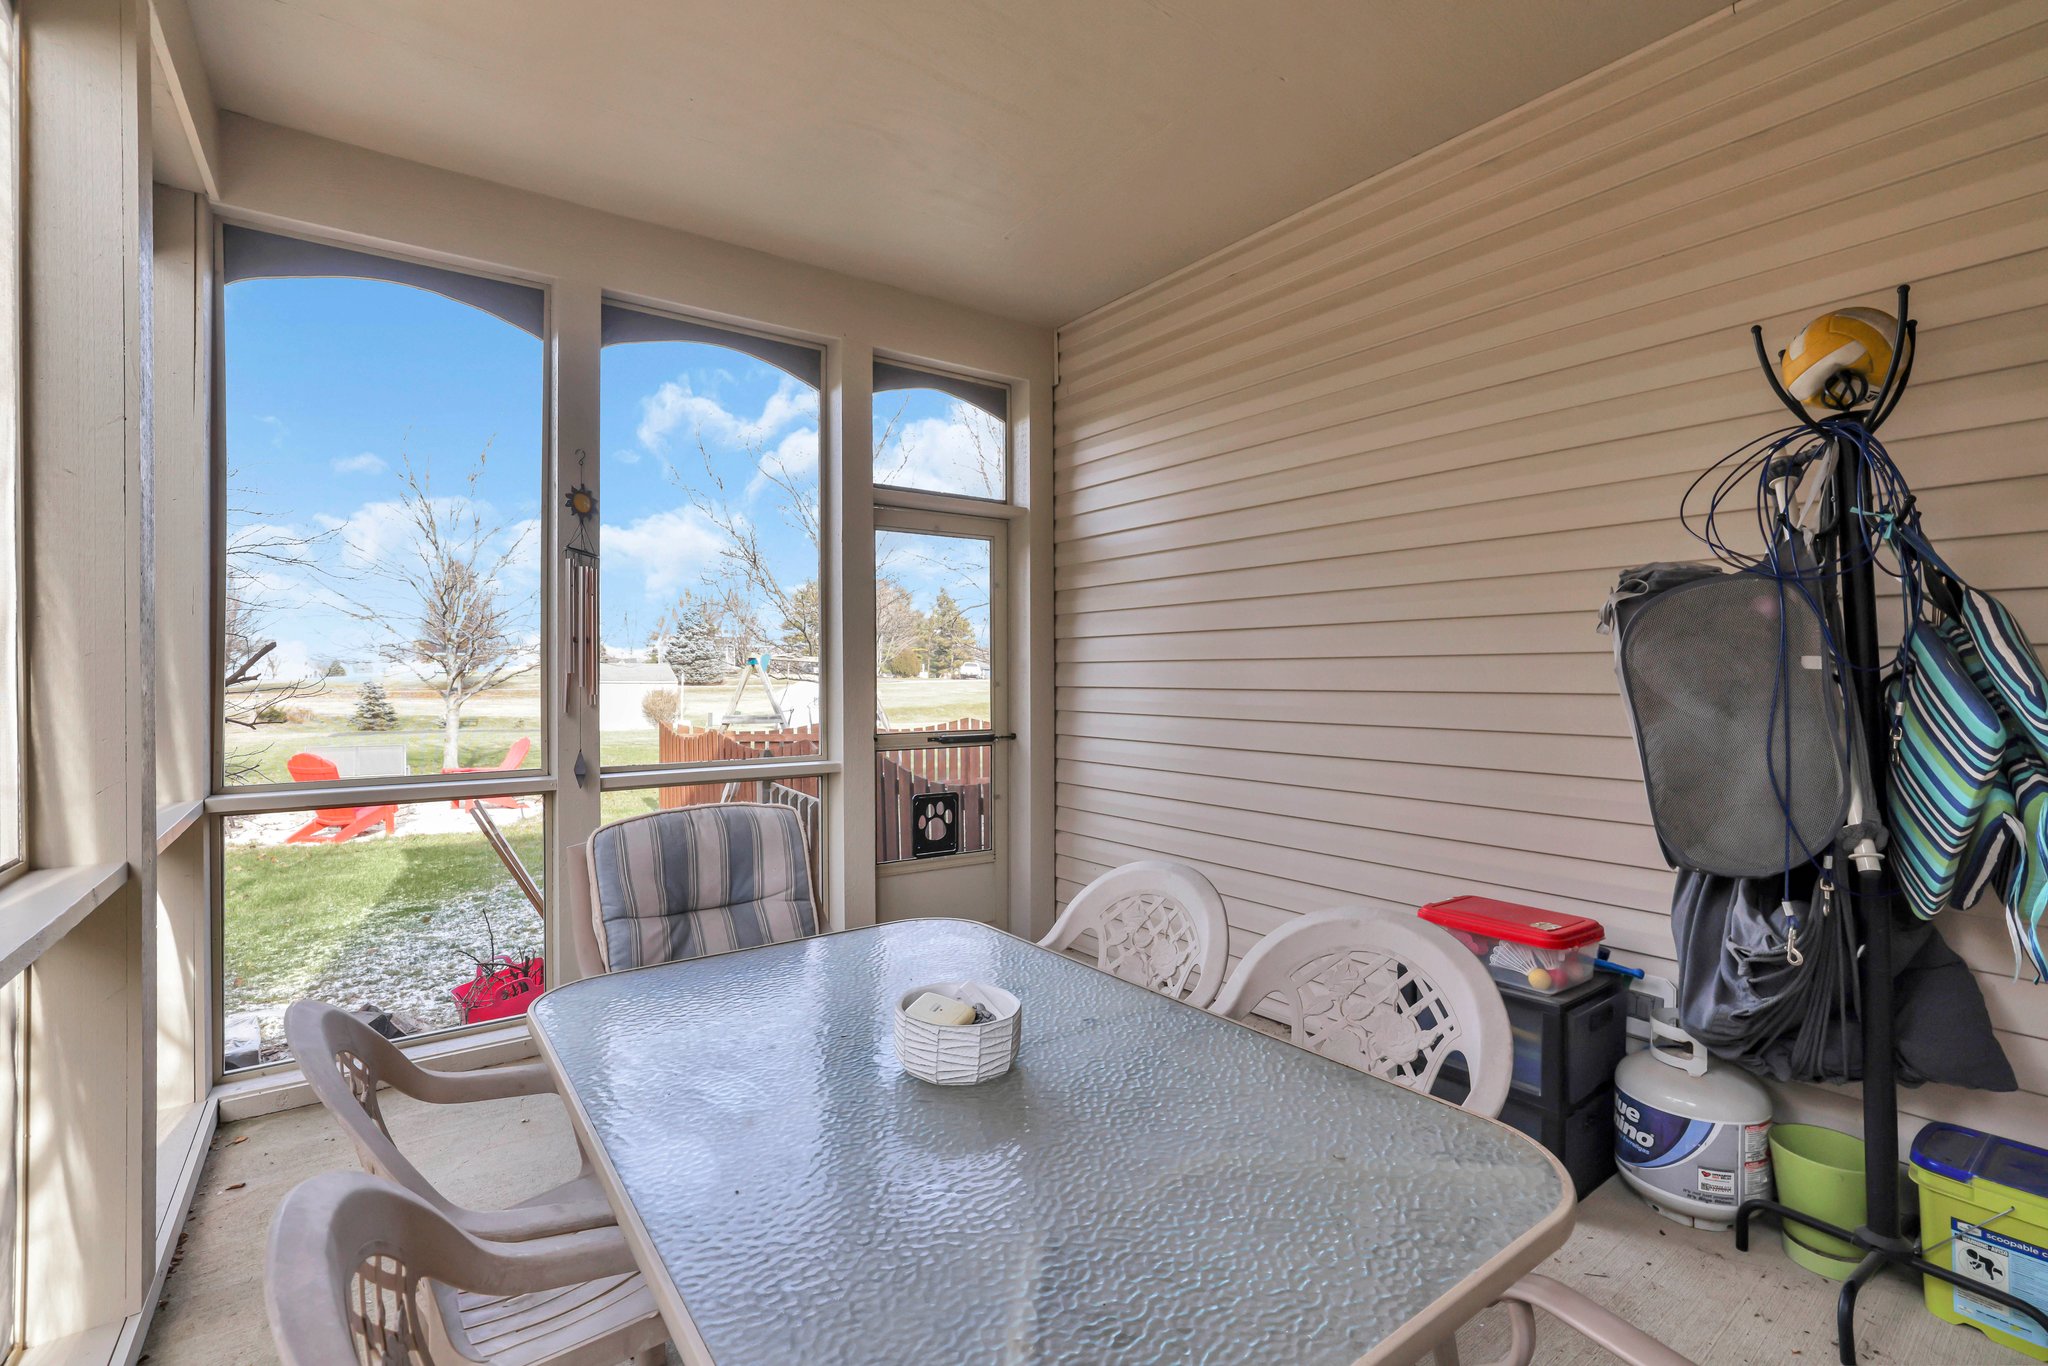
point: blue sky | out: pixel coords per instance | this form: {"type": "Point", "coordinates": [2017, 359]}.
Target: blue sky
{"type": "Point", "coordinates": [331, 384]}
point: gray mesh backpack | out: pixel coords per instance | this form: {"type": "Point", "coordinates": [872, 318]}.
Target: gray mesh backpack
{"type": "Point", "coordinates": [1736, 713]}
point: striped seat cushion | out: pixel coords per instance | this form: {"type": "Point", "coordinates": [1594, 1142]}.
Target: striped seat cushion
{"type": "Point", "coordinates": [1948, 748]}
{"type": "Point", "coordinates": [697, 881]}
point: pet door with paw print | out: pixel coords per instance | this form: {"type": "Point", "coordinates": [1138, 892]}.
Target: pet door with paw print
{"type": "Point", "coordinates": [934, 824]}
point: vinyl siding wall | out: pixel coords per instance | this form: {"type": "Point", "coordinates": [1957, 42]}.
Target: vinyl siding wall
{"type": "Point", "coordinates": [1337, 506]}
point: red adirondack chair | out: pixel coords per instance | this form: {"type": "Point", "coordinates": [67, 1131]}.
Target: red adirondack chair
{"type": "Point", "coordinates": [514, 757]}
{"type": "Point", "coordinates": [334, 824]}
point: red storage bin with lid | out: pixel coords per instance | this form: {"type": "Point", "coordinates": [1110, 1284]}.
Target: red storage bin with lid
{"type": "Point", "coordinates": [1539, 950]}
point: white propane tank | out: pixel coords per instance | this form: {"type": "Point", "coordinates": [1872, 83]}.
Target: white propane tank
{"type": "Point", "coordinates": [1693, 1139]}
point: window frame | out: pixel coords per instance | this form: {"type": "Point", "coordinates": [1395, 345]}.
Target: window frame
{"type": "Point", "coordinates": [14, 774]}
{"type": "Point", "coordinates": [550, 730]}
{"type": "Point", "coordinates": [906, 496]}
{"type": "Point", "coordinates": [223, 802]}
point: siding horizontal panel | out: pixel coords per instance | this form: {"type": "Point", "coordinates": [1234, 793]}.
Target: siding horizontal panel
{"type": "Point", "coordinates": [1347, 488]}
{"type": "Point", "coordinates": [1546, 714]}
{"type": "Point", "coordinates": [1988, 508]}
{"type": "Point", "coordinates": [1428, 859]}
{"type": "Point", "coordinates": [1119, 791]}
{"type": "Point", "coordinates": [1994, 562]}
{"type": "Point", "coordinates": [1335, 509]}
{"type": "Point", "coordinates": [1272, 742]}
{"type": "Point", "coordinates": [1585, 675]}
{"type": "Point", "coordinates": [1524, 594]}
{"type": "Point", "coordinates": [1599, 799]}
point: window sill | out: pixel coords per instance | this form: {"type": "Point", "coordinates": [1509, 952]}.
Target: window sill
{"type": "Point", "coordinates": [283, 1088]}
{"type": "Point", "coordinates": [175, 819]}
{"type": "Point", "coordinates": [42, 906]}
{"type": "Point", "coordinates": [967, 504]}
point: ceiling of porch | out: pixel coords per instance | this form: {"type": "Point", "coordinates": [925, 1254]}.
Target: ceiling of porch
{"type": "Point", "coordinates": [1032, 160]}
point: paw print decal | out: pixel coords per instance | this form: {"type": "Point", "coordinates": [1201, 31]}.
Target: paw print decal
{"type": "Point", "coordinates": [934, 824]}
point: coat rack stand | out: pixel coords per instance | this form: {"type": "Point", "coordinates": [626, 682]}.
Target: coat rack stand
{"type": "Point", "coordinates": [1884, 1238]}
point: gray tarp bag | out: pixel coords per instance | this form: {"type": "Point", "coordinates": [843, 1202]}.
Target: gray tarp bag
{"type": "Point", "coordinates": [1736, 716]}
{"type": "Point", "coordinates": [1742, 996]}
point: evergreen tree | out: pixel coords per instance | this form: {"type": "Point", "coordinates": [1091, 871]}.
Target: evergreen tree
{"type": "Point", "coordinates": [802, 629]}
{"type": "Point", "coordinates": [694, 655]}
{"type": "Point", "coordinates": [373, 709]}
{"type": "Point", "coordinates": [948, 636]}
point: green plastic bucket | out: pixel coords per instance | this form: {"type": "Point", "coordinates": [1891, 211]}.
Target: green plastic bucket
{"type": "Point", "coordinates": [1819, 1172]}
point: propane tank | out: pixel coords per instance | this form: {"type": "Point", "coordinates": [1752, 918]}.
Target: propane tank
{"type": "Point", "coordinates": [1691, 1137]}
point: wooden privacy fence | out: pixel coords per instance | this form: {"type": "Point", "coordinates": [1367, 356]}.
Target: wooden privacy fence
{"type": "Point", "coordinates": [900, 774]}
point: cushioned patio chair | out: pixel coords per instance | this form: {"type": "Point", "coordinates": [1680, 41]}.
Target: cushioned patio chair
{"type": "Point", "coordinates": [344, 1061]}
{"type": "Point", "coordinates": [362, 1271]}
{"type": "Point", "coordinates": [1396, 996]}
{"type": "Point", "coordinates": [1158, 924]}
{"type": "Point", "coordinates": [688, 883]}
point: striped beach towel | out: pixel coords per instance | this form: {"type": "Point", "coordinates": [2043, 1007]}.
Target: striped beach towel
{"type": "Point", "coordinates": [1948, 744]}
{"type": "Point", "coordinates": [2007, 852]}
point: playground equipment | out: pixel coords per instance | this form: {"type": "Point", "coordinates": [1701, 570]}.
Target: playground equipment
{"type": "Point", "coordinates": [755, 667]}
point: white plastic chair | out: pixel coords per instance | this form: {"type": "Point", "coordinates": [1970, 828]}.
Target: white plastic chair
{"type": "Point", "coordinates": [362, 1271]}
{"type": "Point", "coordinates": [1388, 994]}
{"type": "Point", "coordinates": [345, 1061]}
{"type": "Point", "coordinates": [1157, 924]}
{"type": "Point", "coordinates": [1396, 996]}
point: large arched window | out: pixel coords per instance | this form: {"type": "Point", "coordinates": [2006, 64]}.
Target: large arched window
{"type": "Point", "coordinates": [380, 624]}
{"type": "Point", "coordinates": [383, 534]}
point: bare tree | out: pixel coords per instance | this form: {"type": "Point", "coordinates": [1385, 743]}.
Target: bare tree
{"type": "Point", "coordinates": [744, 592]}
{"type": "Point", "coordinates": [465, 632]}
{"type": "Point", "coordinates": [258, 552]}
{"type": "Point", "coordinates": [985, 444]}
{"type": "Point", "coordinates": [898, 624]}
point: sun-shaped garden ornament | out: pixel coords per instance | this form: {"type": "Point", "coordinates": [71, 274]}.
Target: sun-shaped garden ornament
{"type": "Point", "coordinates": [582, 502]}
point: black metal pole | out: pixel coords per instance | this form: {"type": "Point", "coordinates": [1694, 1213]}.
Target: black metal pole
{"type": "Point", "coordinates": [1856, 581]}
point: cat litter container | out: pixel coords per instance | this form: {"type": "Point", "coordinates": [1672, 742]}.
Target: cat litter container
{"type": "Point", "coordinates": [1537, 950]}
{"type": "Point", "coordinates": [1984, 1213]}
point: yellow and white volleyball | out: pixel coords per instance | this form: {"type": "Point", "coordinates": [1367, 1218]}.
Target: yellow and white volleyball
{"type": "Point", "coordinates": [1840, 357]}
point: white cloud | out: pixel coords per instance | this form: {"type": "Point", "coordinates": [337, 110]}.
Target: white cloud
{"type": "Point", "coordinates": [377, 533]}
{"type": "Point", "coordinates": [959, 453]}
{"type": "Point", "coordinates": [626, 455]}
{"type": "Point", "coordinates": [669, 548]}
{"type": "Point", "coordinates": [794, 460]}
{"type": "Point", "coordinates": [675, 406]}
{"type": "Point", "coordinates": [367, 463]}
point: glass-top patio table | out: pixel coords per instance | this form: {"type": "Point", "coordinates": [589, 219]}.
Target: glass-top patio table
{"type": "Point", "coordinates": [1149, 1183]}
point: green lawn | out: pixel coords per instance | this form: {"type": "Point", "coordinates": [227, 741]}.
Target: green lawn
{"type": "Point", "coordinates": [379, 920]}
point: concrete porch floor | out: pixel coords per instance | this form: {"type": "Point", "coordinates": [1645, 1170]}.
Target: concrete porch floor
{"type": "Point", "coordinates": [1689, 1288]}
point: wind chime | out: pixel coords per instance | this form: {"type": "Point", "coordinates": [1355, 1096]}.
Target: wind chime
{"type": "Point", "coordinates": [581, 567]}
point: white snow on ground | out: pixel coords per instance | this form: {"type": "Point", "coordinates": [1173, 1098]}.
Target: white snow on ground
{"type": "Point", "coordinates": [416, 818]}
{"type": "Point", "coordinates": [403, 962]}
{"type": "Point", "coordinates": [399, 960]}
